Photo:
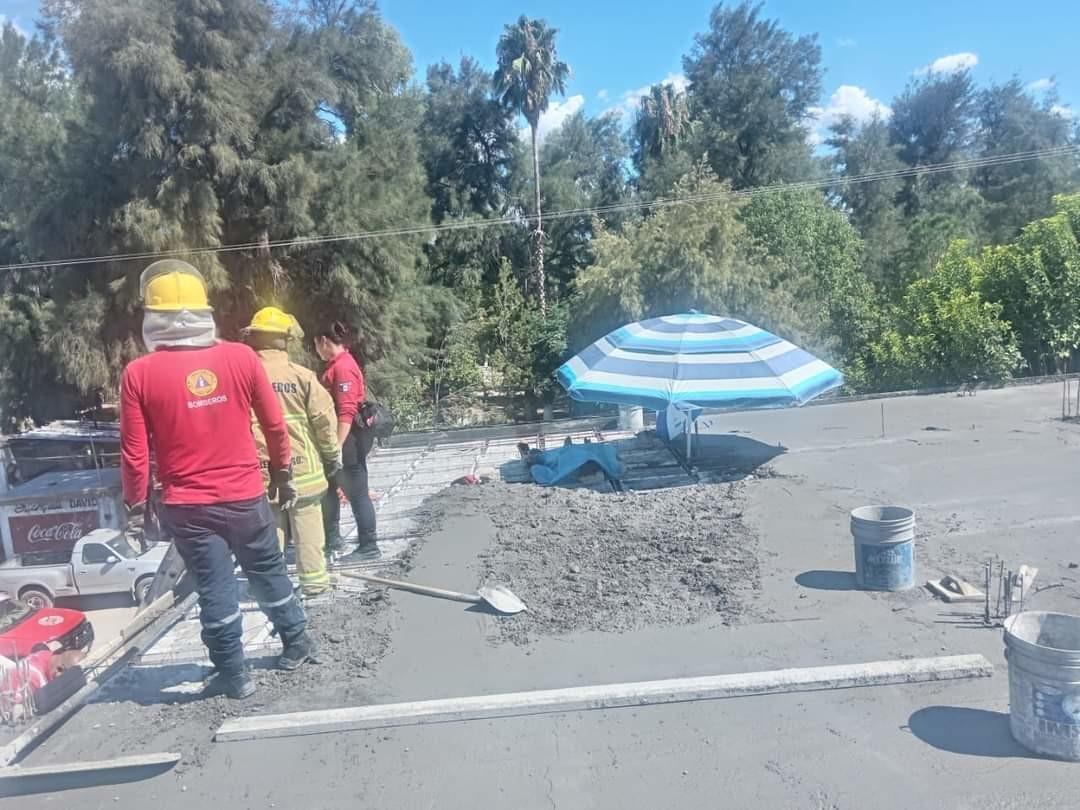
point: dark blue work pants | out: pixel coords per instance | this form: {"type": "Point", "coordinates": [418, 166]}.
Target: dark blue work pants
{"type": "Point", "coordinates": [207, 537]}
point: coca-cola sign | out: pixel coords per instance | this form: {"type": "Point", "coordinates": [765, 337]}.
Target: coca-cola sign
{"type": "Point", "coordinates": [53, 531]}
{"type": "Point", "coordinates": [60, 533]}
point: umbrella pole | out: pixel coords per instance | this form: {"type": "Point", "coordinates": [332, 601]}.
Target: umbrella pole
{"type": "Point", "coordinates": [689, 436]}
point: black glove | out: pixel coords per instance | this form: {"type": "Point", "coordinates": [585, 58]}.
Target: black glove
{"type": "Point", "coordinates": [332, 468]}
{"type": "Point", "coordinates": [135, 516]}
{"type": "Point", "coordinates": [283, 489]}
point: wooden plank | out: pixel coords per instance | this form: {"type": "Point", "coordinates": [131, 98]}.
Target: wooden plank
{"type": "Point", "coordinates": [609, 696]}
{"type": "Point", "coordinates": [20, 781]}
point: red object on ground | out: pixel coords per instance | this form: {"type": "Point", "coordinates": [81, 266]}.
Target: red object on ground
{"type": "Point", "coordinates": [24, 630]}
{"type": "Point", "coordinates": [345, 382]}
{"type": "Point", "coordinates": [194, 406]}
{"type": "Point", "coordinates": [34, 673]}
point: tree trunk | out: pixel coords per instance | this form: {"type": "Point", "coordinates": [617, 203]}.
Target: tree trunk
{"type": "Point", "coordinates": [541, 281]}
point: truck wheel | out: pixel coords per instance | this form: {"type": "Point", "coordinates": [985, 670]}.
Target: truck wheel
{"type": "Point", "coordinates": [142, 588]}
{"type": "Point", "coordinates": [37, 598]}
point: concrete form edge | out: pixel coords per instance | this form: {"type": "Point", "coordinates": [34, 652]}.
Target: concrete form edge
{"type": "Point", "coordinates": [48, 779]}
{"type": "Point", "coordinates": [94, 766]}
{"type": "Point", "coordinates": [609, 696]}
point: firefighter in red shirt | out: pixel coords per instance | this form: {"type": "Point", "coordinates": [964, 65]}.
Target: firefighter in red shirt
{"type": "Point", "coordinates": [345, 382]}
{"type": "Point", "coordinates": [190, 401]}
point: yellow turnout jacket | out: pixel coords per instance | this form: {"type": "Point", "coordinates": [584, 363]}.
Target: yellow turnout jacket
{"type": "Point", "coordinates": [309, 415]}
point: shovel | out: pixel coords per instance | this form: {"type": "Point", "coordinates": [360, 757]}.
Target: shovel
{"type": "Point", "coordinates": [497, 597]}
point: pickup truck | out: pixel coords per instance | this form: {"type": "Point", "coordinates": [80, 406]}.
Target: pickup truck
{"type": "Point", "coordinates": [103, 561]}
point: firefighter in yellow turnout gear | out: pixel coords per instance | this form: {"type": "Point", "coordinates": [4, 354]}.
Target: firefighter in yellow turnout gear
{"type": "Point", "coordinates": [312, 423]}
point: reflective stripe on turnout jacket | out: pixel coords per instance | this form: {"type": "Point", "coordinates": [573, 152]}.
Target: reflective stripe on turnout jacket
{"type": "Point", "coordinates": [309, 416]}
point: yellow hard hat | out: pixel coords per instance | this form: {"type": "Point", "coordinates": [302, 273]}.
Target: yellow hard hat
{"type": "Point", "coordinates": [170, 285]}
{"type": "Point", "coordinates": [273, 320]}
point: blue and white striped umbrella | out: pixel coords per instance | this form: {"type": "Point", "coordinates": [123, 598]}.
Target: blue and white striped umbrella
{"type": "Point", "coordinates": [696, 361]}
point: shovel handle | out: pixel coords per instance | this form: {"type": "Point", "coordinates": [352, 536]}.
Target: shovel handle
{"type": "Point", "coordinates": [427, 590]}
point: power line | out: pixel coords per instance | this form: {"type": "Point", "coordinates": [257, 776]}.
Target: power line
{"type": "Point", "coordinates": [571, 213]}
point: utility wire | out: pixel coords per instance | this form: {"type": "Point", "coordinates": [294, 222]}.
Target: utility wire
{"type": "Point", "coordinates": [571, 213]}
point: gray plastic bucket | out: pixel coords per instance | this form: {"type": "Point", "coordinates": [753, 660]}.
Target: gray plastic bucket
{"type": "Point", "coordinates": [884, 547]}
{"type": "Point", "coordinates": [1043, 650]}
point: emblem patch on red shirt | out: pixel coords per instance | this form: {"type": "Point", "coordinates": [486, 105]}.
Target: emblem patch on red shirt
{"type": "Point", "coordinates": [202, 382]}
{"type": "Point", "coordinates": [344, 386]}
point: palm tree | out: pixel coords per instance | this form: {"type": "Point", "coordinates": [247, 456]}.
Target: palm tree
{"type": "Point", "coordinates": [528, 73]}
{"type": "Point", "coordinates": [662, 120]}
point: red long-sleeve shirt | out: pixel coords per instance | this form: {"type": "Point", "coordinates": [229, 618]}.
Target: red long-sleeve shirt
{"type": "Point", "coordinates": [193, 406]}
{"type": "Point", "coordinates": [345, 382]}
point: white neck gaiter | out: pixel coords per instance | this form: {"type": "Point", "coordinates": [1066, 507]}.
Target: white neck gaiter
{"type": "Point", "coordinates": [180, 328]}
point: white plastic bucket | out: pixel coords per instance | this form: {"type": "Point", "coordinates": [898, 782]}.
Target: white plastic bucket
{"type": "Point", "coordinates": [632, 418]}
{"type": "Point", "coordinates": [1043, 650]}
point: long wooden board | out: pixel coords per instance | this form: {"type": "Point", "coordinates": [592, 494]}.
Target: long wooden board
{"type": "Point", "coordinates": [608, 696]}
{"type": "Point", "coordinates": [19, 781]}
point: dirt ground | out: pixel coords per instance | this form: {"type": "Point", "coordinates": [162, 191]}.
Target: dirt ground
{"type": "Point", "coordinates": [585, 560]}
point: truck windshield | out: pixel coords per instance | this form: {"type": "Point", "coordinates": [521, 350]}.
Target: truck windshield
{"type": "Point", "coordinates": [12, 612]}
{"type": "Point", "coordinates": [122, 546]}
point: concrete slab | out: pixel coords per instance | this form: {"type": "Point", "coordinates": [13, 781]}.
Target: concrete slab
{"type": "Point", "coordinates": [991, 474]}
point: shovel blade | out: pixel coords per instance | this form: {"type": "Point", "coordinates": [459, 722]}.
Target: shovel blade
{"type": "Point", "coordinates": [502, 599]}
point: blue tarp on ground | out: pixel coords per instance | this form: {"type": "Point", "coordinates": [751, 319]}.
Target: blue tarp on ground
{"type": "Point", "coordinates": [554, 466]}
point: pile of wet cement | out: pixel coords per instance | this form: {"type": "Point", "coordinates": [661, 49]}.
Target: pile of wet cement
{"type": "Point", "coordinates": [585, 560]}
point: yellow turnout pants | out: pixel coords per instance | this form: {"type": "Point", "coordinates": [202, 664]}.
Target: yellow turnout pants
{"type": "Point", "coordinates": [304, 523]}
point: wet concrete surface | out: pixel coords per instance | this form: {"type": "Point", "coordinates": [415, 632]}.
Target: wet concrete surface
{"type": "Point", "coordinates": [995, 475]}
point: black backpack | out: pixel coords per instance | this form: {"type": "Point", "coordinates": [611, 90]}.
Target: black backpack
{"type": "Point", "coordinates": [377, 418]}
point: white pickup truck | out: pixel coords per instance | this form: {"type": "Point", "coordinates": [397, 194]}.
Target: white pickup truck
{"type": "Point", "coordinates": [104, 561]}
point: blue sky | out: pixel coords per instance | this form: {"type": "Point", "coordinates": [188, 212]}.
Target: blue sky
{"type": "Point", "coordinates": [616, 48]}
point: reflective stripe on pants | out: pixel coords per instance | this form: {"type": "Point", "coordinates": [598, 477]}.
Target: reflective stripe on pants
{"type": "Point", "coordinates": [207, 537]}
{"type": "Point", "coordinates": [305, 526]}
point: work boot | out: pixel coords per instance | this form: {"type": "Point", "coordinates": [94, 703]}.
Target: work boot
{"type": "Point", "coordinates": [316, 595]}
{"type": "Point", "coordinates": [237, 686]}
{"type": "Point", "coordinates": [367, 551]}
{"type": "Point", "coordinates": [335, 545]}
{"type": "Point", "coordinates": [301, 649]}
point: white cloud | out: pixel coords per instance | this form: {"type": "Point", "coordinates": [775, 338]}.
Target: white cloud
{"type": "Point", "coordinates": [1040, 84]}
{"type": "Point", "coordinates": [602, 94]}
{"type": "Point", "coordinates": [630, 100]}
{"type": "Point", "coordinates": [950, 64]}
{"type": "Point", "coordinates": [847, 100]}
{"type": "Point", "coordinates": [1064, 111]}
{"type": "Point", "coordinates": [553, 118]}
{"type": "Point", "coordinates": [845, 42]}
